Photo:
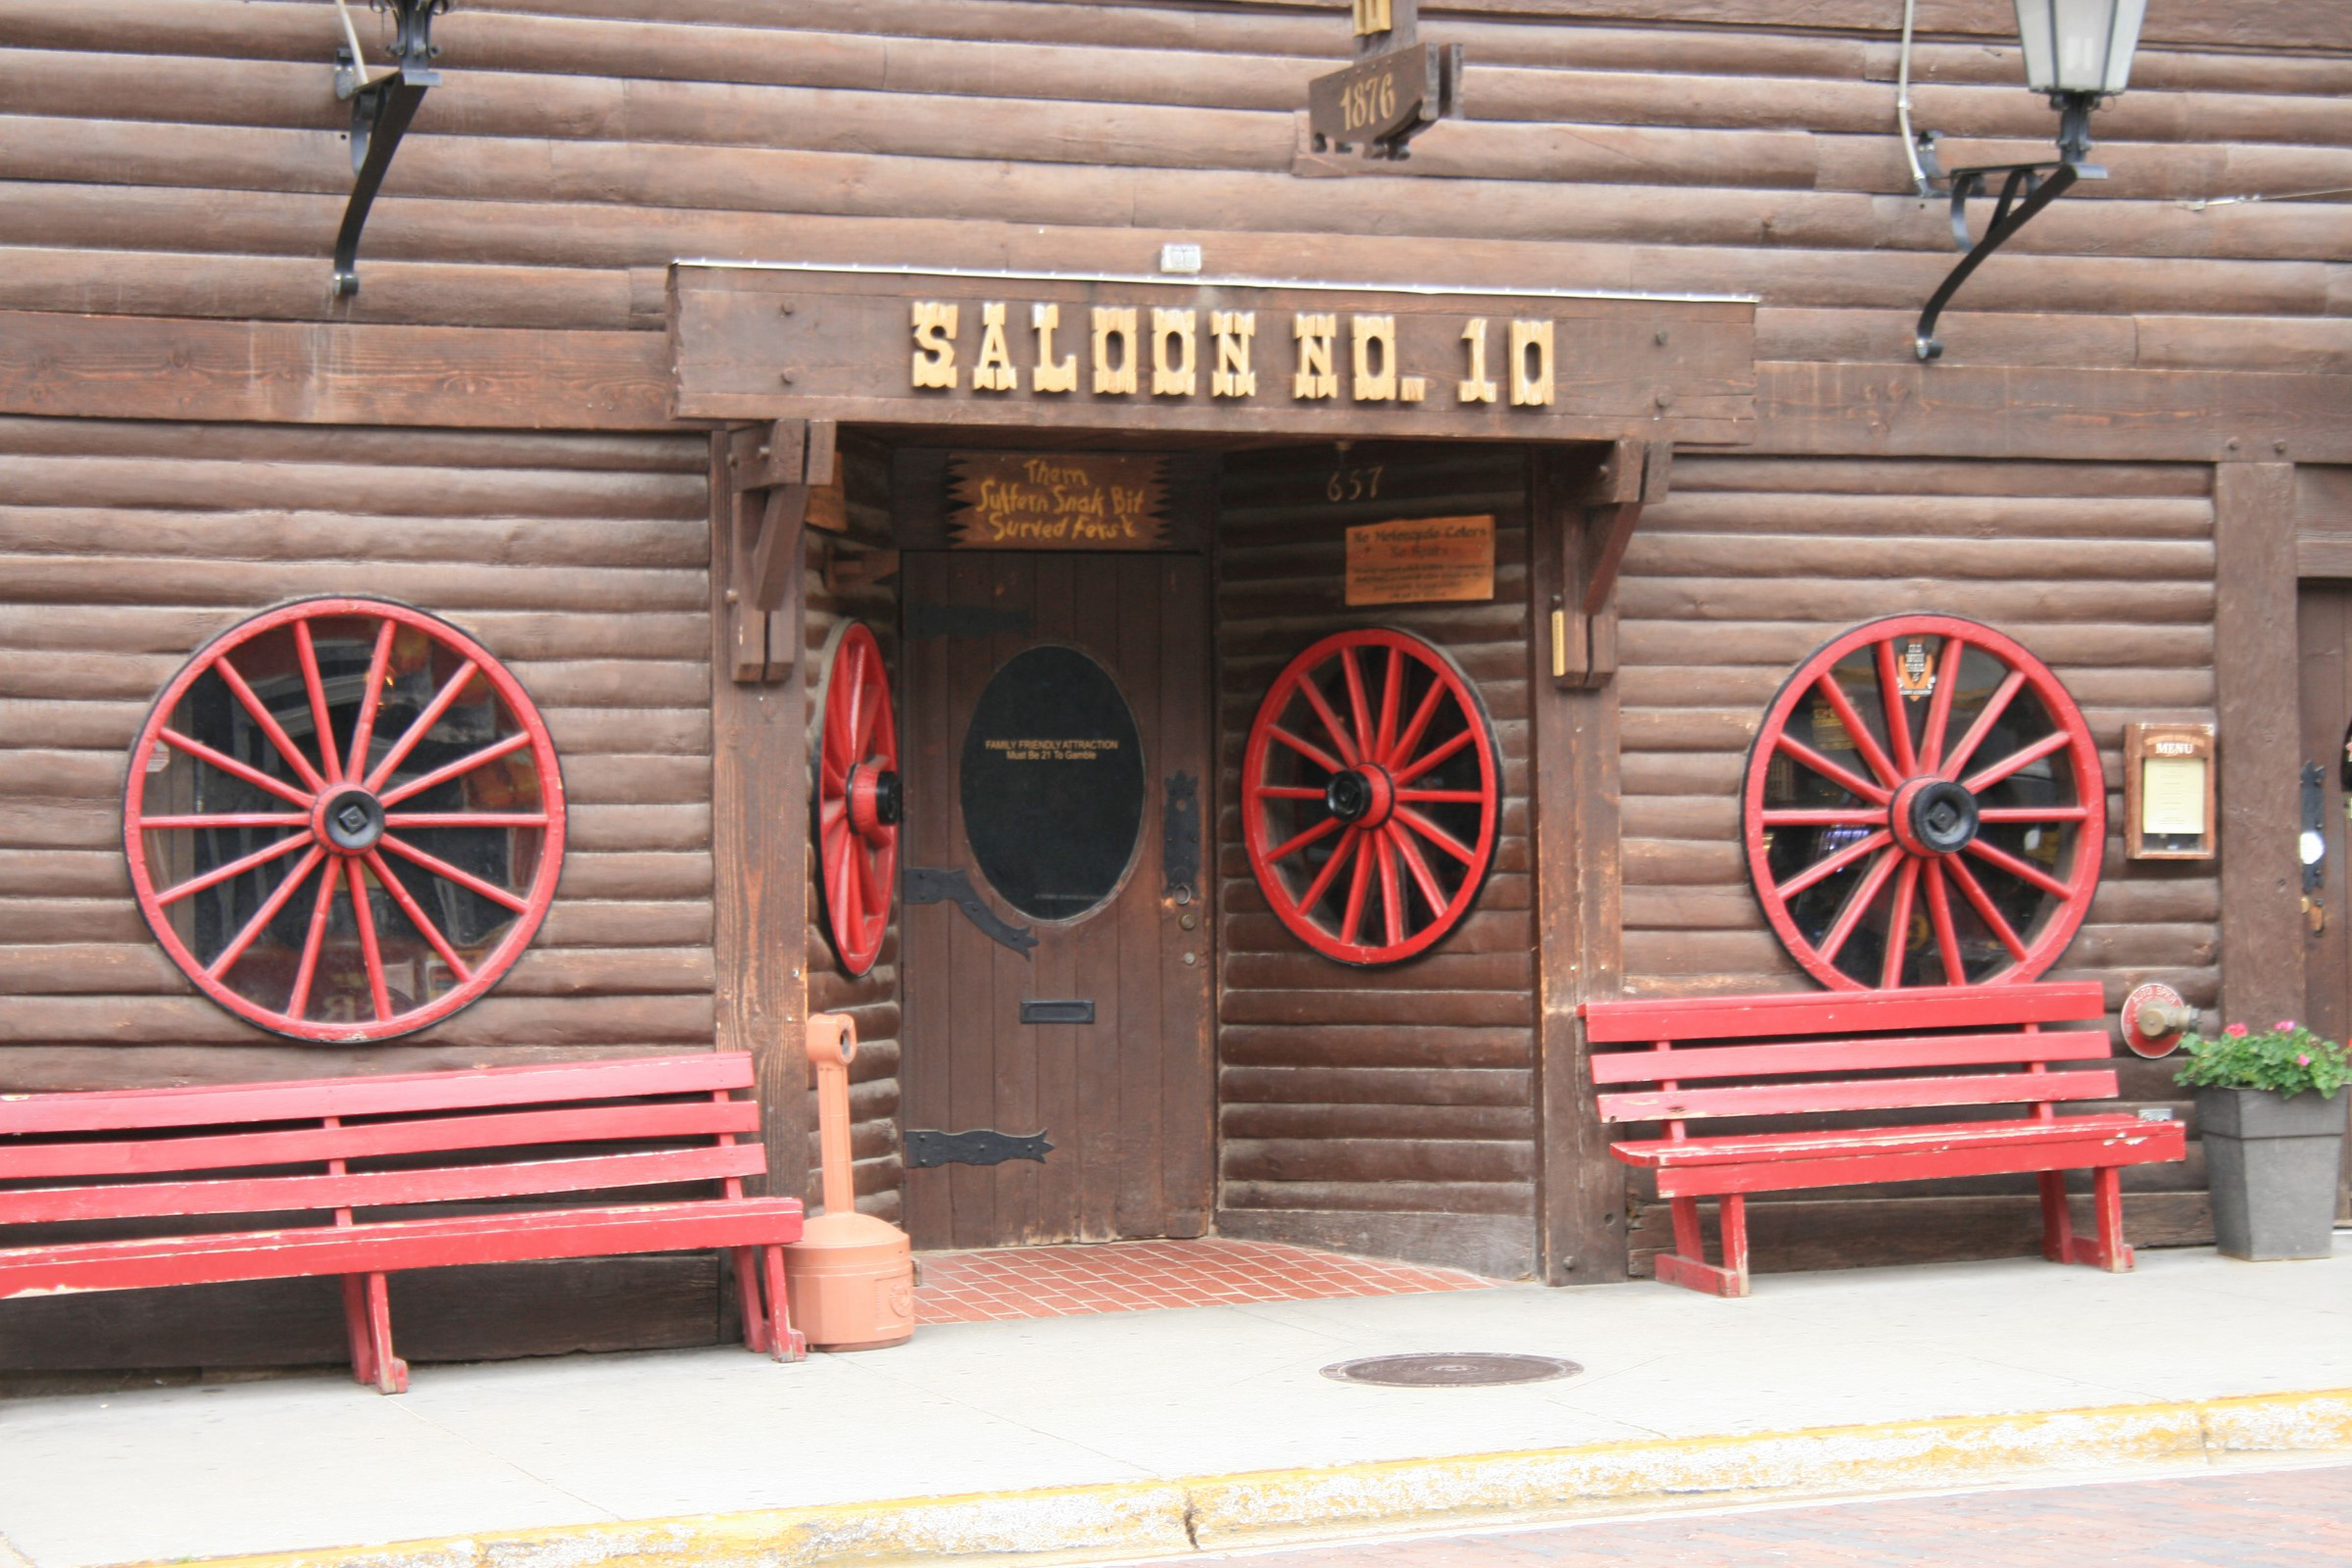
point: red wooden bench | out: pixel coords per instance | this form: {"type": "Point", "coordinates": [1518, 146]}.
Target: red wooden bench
{"type": "Point", "coordinates": [1704, 1057]}
{"type": "Point", "coordinates": [138, 1164]}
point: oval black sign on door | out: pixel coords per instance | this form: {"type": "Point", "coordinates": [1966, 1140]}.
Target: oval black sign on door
{"type": "Point", "coordinates": [1052, 783]}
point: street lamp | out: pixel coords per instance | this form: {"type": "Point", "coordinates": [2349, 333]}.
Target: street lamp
{"type": "Point", "coordinates": [2079, 52]}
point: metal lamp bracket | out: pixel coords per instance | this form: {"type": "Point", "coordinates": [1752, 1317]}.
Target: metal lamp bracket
{"type": "Point", "coordinates": [2025, 189]}
{"type": "Point", "coordinates": [381, 111]}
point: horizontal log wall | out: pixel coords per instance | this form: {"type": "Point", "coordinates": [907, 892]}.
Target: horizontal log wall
{"type": "Point", "coordinates": [581, 561]}
{"type": "Point", "coordinates": [2105, 571]}
{"type": "Point", "coordinates": [1390, 1109]}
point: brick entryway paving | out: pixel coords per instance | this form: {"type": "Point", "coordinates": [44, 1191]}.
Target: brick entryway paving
{"type": "Point", "coordinates": [2287, 1518]}
{"type": "Point", "coordinates": [1017, 1282]}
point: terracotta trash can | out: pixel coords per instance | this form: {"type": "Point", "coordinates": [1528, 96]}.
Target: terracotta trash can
{"type": "Point", "coordinates": [850, 1276]}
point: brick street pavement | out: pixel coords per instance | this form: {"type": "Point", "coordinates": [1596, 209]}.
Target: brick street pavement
{"type": "Point", "coordinates": [2268, 1519]}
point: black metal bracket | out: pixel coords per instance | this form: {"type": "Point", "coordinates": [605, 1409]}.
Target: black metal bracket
{"type": "Point", "coordinates": [2025, 189]}
{"type": "Point", "coordinates": [925, 884]}
{"type": "Point", "coordinates": [982, 1145]}
{"type": "Point", "coordinates": [2314, 823]}
{"type": "Point", "coordinates": [381, 111]}
{"type": "Point", "coordinates": [1180, 838]}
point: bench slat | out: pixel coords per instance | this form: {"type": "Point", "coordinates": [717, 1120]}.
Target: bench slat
{"type": "Point", "coordinates": [309, 1100]}
{"type": "Point", "coordinates": [371, 1140]}
{"type": "Point", "coordinates": [1841, 1011]}
{"type": "Point", "coordinates": [1848, 1056]}
{"type": "Point", "coordinates": [270, 1195]}
{"type": "Point", "coordinates": [1858, 1093]}
{"type": "Point", "coordinates": [1657, 1154]}
{"type": "Point", "coordinates": [388, 1246]}
{"type": "Point", "coordinates": [2148, 1143]}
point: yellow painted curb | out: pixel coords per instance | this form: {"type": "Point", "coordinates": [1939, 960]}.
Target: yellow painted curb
{"type": "Point", "coordinates": [1135, 1520]}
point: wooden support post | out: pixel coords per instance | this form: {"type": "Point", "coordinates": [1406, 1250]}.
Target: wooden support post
{"type": "Point", "coordinates": [759, 854]}
{"type": "Point", "coordinates": [2254, 661]}
{"type": "Point", "coordinates": [1573, 746]}
{"type": "Point", "coordinates": [771, 469]}
{"type": "Point", "coordinates": [1590, 540]}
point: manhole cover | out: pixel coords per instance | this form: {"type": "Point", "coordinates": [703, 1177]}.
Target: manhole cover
{"type": "Point", "coordinates": [1460, 1369]}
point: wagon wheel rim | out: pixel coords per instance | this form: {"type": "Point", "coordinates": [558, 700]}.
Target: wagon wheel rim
{"type": "Point", "coordinates": [1924, 804]}
{"type": "Point", "coordinates": [311, 880]}
{"type": "Point", "coordinates": [858, 798]}
{"type": "Point", "coordinates": [1371, 796]}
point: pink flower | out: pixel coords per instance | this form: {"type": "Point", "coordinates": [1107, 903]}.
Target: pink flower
{"type": "Point", "coordinates": [2234, 1030]}
{"type": "Point", "coordinates": [2286, 1026]}
{"type": "Point", "coordinates": [2303, 1060]}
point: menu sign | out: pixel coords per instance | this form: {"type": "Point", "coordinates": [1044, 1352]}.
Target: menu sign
{"type": "Point", "coordinates": [1056, 501]}
{"type": "Point", "coordinates": [1421, 561]}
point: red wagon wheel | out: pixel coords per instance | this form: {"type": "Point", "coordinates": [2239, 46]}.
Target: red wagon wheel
{"type": "Point", "coordinates": [1924, 806]}
{"type": "Point", "coordinates": [857, 797]}
{"type": "Point", "coordinates": [1371, 794]}
{"type": "Point", "coordinates": [344, 819]}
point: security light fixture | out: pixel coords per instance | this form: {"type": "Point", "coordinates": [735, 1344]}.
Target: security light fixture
{"type": "Point", "coordinates": [2079, 52]}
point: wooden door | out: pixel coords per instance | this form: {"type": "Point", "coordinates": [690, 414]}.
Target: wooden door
{"type": "Point", "coordinates": [1055, 755]}
{"type": "Point", "coordinates": [2324, 623]}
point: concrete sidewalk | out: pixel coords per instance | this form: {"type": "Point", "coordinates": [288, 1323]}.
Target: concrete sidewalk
{"type": "Point", "coordinates": [1164, 1433]}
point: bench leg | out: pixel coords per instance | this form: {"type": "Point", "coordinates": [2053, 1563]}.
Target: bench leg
{"type": "Point", "coordinates": [748, 1299]}
{"type": "Point", "coordinates": [2107, 1196]}
{"type": "Point", "coordinates": [784, 1342]}
{"type": "Point", "coordinates": [1688, 1266]}
{"type": "Point", "coordinates": [2057, 1225]}
{"type": "Point", "coordinates": [2059, 1243]}
{"type": "Point", "coordinates": [391, 1372]}
{"type": "Point", "coordinates": [355, 1328]}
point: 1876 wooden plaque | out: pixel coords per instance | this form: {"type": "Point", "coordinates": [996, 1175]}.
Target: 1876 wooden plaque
{"type": "Point", "coordinates": [1056, 501]}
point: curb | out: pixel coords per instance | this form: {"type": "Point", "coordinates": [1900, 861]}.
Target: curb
{"type": "Point", "coordinates": [1126, 1521]}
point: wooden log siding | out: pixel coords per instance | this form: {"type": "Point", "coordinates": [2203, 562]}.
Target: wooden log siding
{"type": "Point", "coordinates": [1390, 1110]}
{"type": "Point", "coordinates": [2103, 570]}
{"type": "Point", "coordinates": [579, 561]}
{"type": "Point", "coordinates": [579, 145]}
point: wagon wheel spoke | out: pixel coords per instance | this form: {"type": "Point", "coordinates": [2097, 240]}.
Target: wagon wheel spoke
{"type": "Point", "coordinates": [847, 891]}
{"type": "Point", "coordinates": [1360, 706]}
{"type": "Point", "coordinates": [1939, 916]}
{"type": "Point", "coordinates": [2033, 814]}
{"type": "Point", "coordinates": [234, 769]}
{"type": "Point", "coordinates": [1981, 902]}
{"type": "Point", "coordinates": [463, 765]}
{"type": "Point", "coordinates": [417, 915]}
{"type": "Point", "coordinates": [1391, 694]}
{"type": "Point", "coordinates": [1352, 920]}
{"type": "Point", "coordinates": [874, 896]}
{"type": "Point", "coordinates": [1288, 792]}
{"type": "Point", "coordinates": [1332, 723]}
{"type": "Point", "coordinates": [1990, 714]}
{"type": "Point", "coordinates": [212, 819]}
{"type": "Point", "coordinates": [1437, 753]}
{"type": "Point", "coordinates": [371, 954]}
{"type": "Point", "coordinates": [1436, 835]}
{"type": "Point", "coordinates": [1899, 925]}
{"type": "Point", "coordinates": [226, 959]}
{"type": "Point", "coordinates": [234, 868]}
{"type": "Point", "coordinates": [322, 910]}
{"type": "Point", "coordinates": [1822, 869]}
{"type": "Point", "coordinates": [270, 726]}
{"type": "Point", "coordinates": [422, 726]}
{"type": "Point", "coordinates": [328, 762]}
{"type": "Point", "coordinates": [363, 729]}
{"type": "Point", "coordinates": [1418, 726]}
{"type": "Point", "coordinates": [1391, 910]}
{"type": "Point", "coordinates": [1845, 778]}
{"type": "Point", "coordinates": [851, 730]}
{"type": "Point", "coordinates": [1986, 778]}
{"type": "Point", "coordinates": [2024, 872]}
{"type": "Point", "coordinates": [870, 715]}
{"type": "Point", "coordinates": [1454, 797]}
{"type": "Point", "coordinates": [415, 819]}
{"type": "Point", "coordinates": [1898, 717]}
{"type": "Point", "coordinates": [1858, 902]}
{"type": "Point", "coordinates": [1866, 745]}
{"type": "Point", "coordinates": [1307, 749]}
{"type": "Point", "coordinates": [1321, 830]}
{"type": "Point", "coordinates": [1940, 703]}
{"type": "Point", "coordinates": [1348, 843]}
{"type": "Point", "coordinates": [450, 874]}
{"type": "Point", "coordinates": [1423, 877]}
{"type": "Point", "coordinates": [1826, 816]}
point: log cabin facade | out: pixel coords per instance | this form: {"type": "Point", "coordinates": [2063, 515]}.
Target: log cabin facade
{"type": "Point", "coordinates": [538, 420]}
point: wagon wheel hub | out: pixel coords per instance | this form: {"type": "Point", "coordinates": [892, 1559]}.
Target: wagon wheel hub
{"type": "Point", "coordinates": [1364, 797]}
{"type": "Point", "coordinates": [876, 801]}
{"type": "Point", "coordinates": [1934, 816]}
{"type": "Point", "coordinates": [348, 821]}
